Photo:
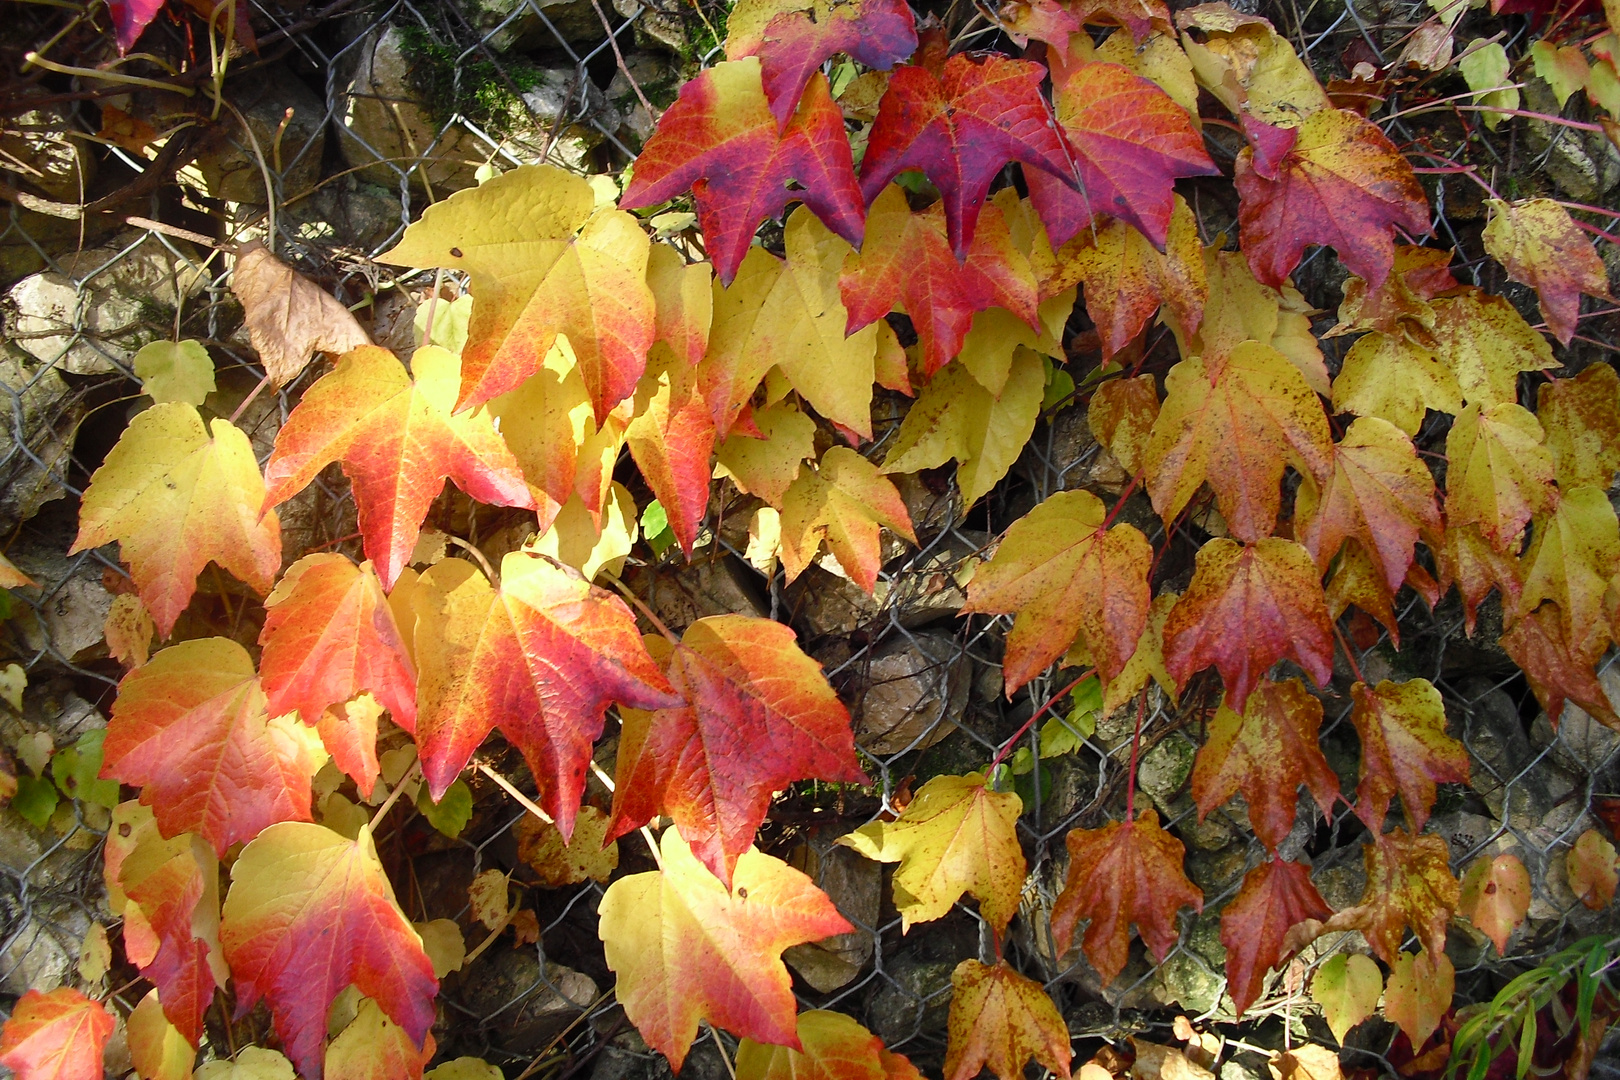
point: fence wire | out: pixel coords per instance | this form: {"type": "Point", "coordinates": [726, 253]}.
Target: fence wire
{"type": "Point", "coordinates": [336, 132]}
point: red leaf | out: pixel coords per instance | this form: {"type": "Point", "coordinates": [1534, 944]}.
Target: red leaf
{"type": "Point", "coordinates": [309, 913]}
{"type": "Point", "coordinates": [672, 440]}
{"type": "Point", "coordinates": [131, 18]}
{"type": "Point", "coordinates": [1130, 142]}
{"type": "Point", "coordinates": [960, 128]}
{"type": "Point", "coordinates": [56, 1036]}
{"type": "Point", "coordinates": [329, 636]}
{"type": "Point", "coordinates": [1554, 668]}
{"type": "Point", "coordinates": [1409, 884]}
{"type": "Point", "coordinates": [541, 658]}
{"type": "Point", "coordinates": [1405, 750]}
{"type": "Point", "coordinates": [720, 139]}
{"type": "Point", "coordinates": [761, 716]}
{"type": "Point", "coordinates": [189, 729]}
{"type": "Point", "coordinates": [1140, 17]}
{"type": "Point", "coordinates": [1275, 896]}
{"type": "Point", "coordinates": [398, 442]}
{"type": "Point", "coordinates": [793, 37]}
{"type": "Point", "coordinates": [1340, 182]}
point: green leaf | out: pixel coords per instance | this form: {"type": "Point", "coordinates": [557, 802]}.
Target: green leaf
{"type": "Point", "coordinates": [35, 800]}
{"type": "Point", "coordinates": [75, 770]}
{"type": "Point", "coordinates": [450, 814]}
{"type": "Point", "coordinates": [655, 527]}
{"type": "Point", "coordinates": [175, 371]}
{"type": "Point", "coordinates": [449, 322]}
{"type": "Point", "coordinates": [1486, 70]}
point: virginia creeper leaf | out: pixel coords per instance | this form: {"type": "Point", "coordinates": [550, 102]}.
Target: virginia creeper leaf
{"type": "Point", "coordinates": [956, 836]}
{"type": "Point", "coordinates": [1140, 17]}
{"type": "Point", "coordinates": [1409, 884]}
{"type": "Point", "coordinates": [683, 303]}
{"type": "Point", "coordinates": [834, 1047]}
{"type": "Point", "coordinates": [1486, 343]}
{"type": "Point", "coordinates": [1591, 869]}
{"type": "Point", "coordinates": [1275, 896]}
{"type": "Point", "coordinates": [999, 1020]}
{"type": "Point", "coordinates": [1125, 872]}
{"type": "Point", "coordinates": [1062, 575]}
{"type": "Point", "coordinates": [768, 466]}
{"type": "Point", "coordinates": [1347, 987]}
{"type": "Point", "coordinates": [176, 497]}
{"type": "Point", "coordinates": [289, 318]}
{"type": "Point", "coordinates": [156, 1047]}
{"type": "Point", "coordinates": [131, 18]}
{"type": "Point", "coordinates": [1500, 472]}
{"type": "Point", "coordinates": [687, 948]}
{"type": "Point", "coordinates": [1495, 897]}
{"type": "Point", "coordinates": [671, 439]}
{"type": "Point", "coordinates": [1582, 419]}
{"type": "Point", "coordinates": [179, 370]}
{"type": "Point", "coordinates": [398, 442]}
{"type": "Point", "coordinates": [1240, 308]}
{"type": "Point", "coordinates": [373, 1047]}
{"type": "Point", "coordinates": [1419, 993]}
{"type": "Point", "coordinates": [1127, 279]}
{"type": "Point", "coordinates": [1555, 667]}
{"type": "Point", "coordinates": [583, 857]}
{"type": "Point", "coordinates": [1395, 379]}
{"type": "Point", "coordinates": [56, 1036]}
{"type": "Point", "coordinates": [844, 500]}
{"type": "Point", "coordinates": [793, 37]}
{"type": "Point", "coordinates": [1465, 557]}
{"type": "Point", "coordinates": [1400, 306]}
{"type": "Point", "coordinates": [1541, 246]}
{"type": "Point", "coordinates": [1405, 750]}
{"type": "Point", "coordinates": [1249, 67]}
{"type": "Point", "coordinates": [1121, 416]}
{"type": "Point", "coordinates": [1247, 607]}
{"type": "Point", "coordinates": [1573, 559]}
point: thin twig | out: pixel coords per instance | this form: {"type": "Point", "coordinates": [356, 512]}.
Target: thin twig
{"type": "Point", "coordinates": [489, 571]}
{"type": "Point", "coordinates": [523, 800]}
{"type": "Point", "coordinates": [413, 773]}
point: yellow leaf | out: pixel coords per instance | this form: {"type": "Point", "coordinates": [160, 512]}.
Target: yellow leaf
{"type": "Point", "coordinates": [1419, 993]}
{"type": "Point", "coordinates": [1500, 472]}
{"type": "Point", "coordinates": [766, 467]}
{"type": "Point", "coordinates": [1347, 987]}
{"type": "Point", "coordinates": [156, 1047]}
{"type": "Point", "coordinates": [583, 544]}
{"type": "Point", "coordinates": [1486, 343]}
{"type": "Point", "coordinates": [1395, 379]}
{"type": "Point", "coordinates": [1573, 560]}
{"type": "Point", "coordinates": [843, 501]}
{"type": "Point", "coordinates": [252, 1063]}
{"type": "Point", "coordinates": [1000, 1019]}
{"type": "Point", "coordinates": [558, 863]}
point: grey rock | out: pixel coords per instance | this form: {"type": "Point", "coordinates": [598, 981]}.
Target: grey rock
{"type": "Point", "coordinates": [1164, 770]}
{"type": "Point", "coordinates": [658, 79]}
{"type": "Point", "coordinates": [350, 213]}
{"type": "Point", "coordinates": [551, 997]}
{"type": "Point", "coordinates": [44, 151]}
{"type": "Point", "coordinates": [1586, 168]}
{"type": "Point", "coordinates": [1194, 977]}
{"type": "Point", "coordinates": [39, 405]}
{"type": "Point", "coordinates": [515, 26]}
{"type": "Point", "coordinates": [229, 169]}
{"type": "Point", "coordinates": [709, 585]}
{"type": "Point", "coordinates": [855, 886]}
{"type": "Point", "coordinates": [70, 601]}
{"type": "Point", "coordinates": [908, 694]}
{"type": "Point", "coordinates": [915, 999]}
{"type": "Point", "coordinates": [1581, 744]}
{"type": "Point", "coordinates": [1495, 738]}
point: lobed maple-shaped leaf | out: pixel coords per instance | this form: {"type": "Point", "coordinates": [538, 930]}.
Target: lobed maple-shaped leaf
{"type": "Point", "coordinates": [1127, 279]}
{"type": "Point", "coordinates": [329, 636]}
{"type": "Point", "coordinates": [843, 501]}
{"type": "Point", "coordinates": [687, 948]}
{"type": "Point", "coordinates": [1582, 420]}
{"type": "Point", "coordinates": [1249, 67]}
{"type": "Point", "coordinates": [1000, 1020]}
{"type": "Point", "coordinates": [758, 714]}
{"type": "Point", "coordinates": [397, 441]}
{"type": "Point", "coordinates": [189, 728]}
{"type": "Point", "coordinates": [1236, 423]}
{"type": "Point", "coordinates": [788, 313]}
{"type": "Point", "coordinates": [768, 464]}
{"type": "Point", "coordinates": [167, 892]}
{"type": "Point", "coordinates": [1419, 993]}
{"type": "Point", "coordinates": [1125, 872]}
{"type": "Point", "coordinates": [1499, 473]}
{"type": "Point", "coordinates": [832, 1047]}
{"type": "Point", "coordinates": [1266, 753]}
{"type": "Point", "coordinates": [1395, 379]}
{"type": "Point", "coordinates": [793, 37]}
{"type": "Point", "coordinates": [1334, 180]}
{"type": "Point", "coordinates": [1400, 306]}
{"type": "Point", "coordinates": [541, 264]}
{"type": "Point", "coordinates": [1356, 580]}
{"type": "Point", "coordinates": [956, 836]}
{"type": "Point", "coordinates": [1409, 884]}
{"type": "Point", "coordinates": [1347, 987]}
{"type": "Point", "coordinates": [1405, 750]}
{"type": "Point", "coordinates": [1275, 896]}
{"type": "Point", "coordinates": [1239, 309]}
{"type": "Point", "coordinates": [348, 731]}
{"type": "Point", "coordinates": [1129, 141]}
{"type": "Point", "coordinates": [541, 658]}
{"type": "Point", "coordinates": [310, 912]}
{"type": "Point", "coordinates": [373, 1047]}
{"type": "Point", "coordinates": [56, 1036]}
{"type": "Point", "coordinates": [1140, 17]}
{"type": "Point", "coordinates": [960, 126]}
{"type": "Point", "coordinates": [1573, 559]}
{"type": "Point", "coordinates": [672, 439]}
{"type": "Point", "coordinates": [1379, 494]}
{"type": "Point", "coordinates": [721, 140]}
{"type": "Point", "coordinates": [1248, 606]}
{"type": "Point", "coordinates": [1464, 557]}
{"type": "Point", "coordinates": [176, 495]}
{"type": "Point", "coordinates": [1555, 667]}
{"type": "Point", "coordinates": [1592, 870]}
{"type": "Point", "coordinates": [1541, 246]}
{"type": "Point", "coordinates": [1486, 343]}
{"type": "Point", "coordinates": [907, 259]}
{"type": "Point", "coordinates": [1062, 576]}
{"type": "Point", "coordinates": [1495, 897]}
{"type": "Point", "coordinates": [683, 303]}
{"type": "Point", "coordinates": [1121, 417]}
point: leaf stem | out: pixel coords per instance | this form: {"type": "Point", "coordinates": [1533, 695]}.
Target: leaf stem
{"type": "Point", "coordinates": [489, 571]}
{"type": "Point", "coordinates": [523, 800]}
{"type": "Point", "coordinates": [412, 773]}
{"type": "Point", "coordinates": [254, 393]}
{"type": "Point", "coordinates": [1053, 700]}
{"type": "Point", "coordinates": [642, 607]}
{"type": "Point", "coordinates": [1355, 668]}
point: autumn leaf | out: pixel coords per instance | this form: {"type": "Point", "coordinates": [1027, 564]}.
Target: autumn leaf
{"type": "Point", "coordinates": [1500, 472]}
{"type": "Point", "coordinates": [1247, 607]}
{"type": "Point", "coordinates": [541, 658]}
{"type": "Point", "coordinates": [960, 127]}
{"type": "Point", "coordinates": [788, 313]}
{"type": "Point", "coordinates": [843, 501]}
{"type": "Point", "coordinates": [130, 19]}
{"type": "Point", "coordinates": [558, 862]}
{"type": "Point", "coordinates": [832, 1047]}
{"type": "Point", "coordinates": [397, 441]}
{"type": "Point", "coordinates": [686, 948]}
{"type": "Point", "coordinates": [1334, 180]}
{"type": "Point", "coordinates": [956, 836]}
{"type": "Point", "coordinates": [373, 1047]}
{"type": "Point", "coordinates": [541, 264]}
{"type": "Point", "coordinates": [176, 498]}
{"type": "Point", "coordinates": [189, 729]}
{"type": "Point", "coordinates": [1405, 750]}
{"type": "Point", "coordinates": [289, 318]}
{"type": "Point", "coordinates": [1495, 897]}
{"type": "Point", "coordinates": [11, 577]}
{"type": "Point", "coordinates": [1129, 141]}
{"type": "Point", "coordinates": [1347, 987]}
{"type": "Point", "coordinates": [128, 630]}
{"type": "Point", "coordinates": [1419, 993]}
{"type": "Point", "coordinates": [1266, 753]}
{"type": "Point", "coordinates": [176, 371]}
{"type": "Point", "coordinates": [1275, 896]}
{"type": "Point", "coordinates": [56, 1036]}
{"type": "Point", "coordinates": [793, 37]}
{"type": "Point", "coordinates": [1556, 668]}
{"type": "Point", "coordinates": [1125, 872]}
{"type": "Point", "coordinates": [721, 140]}
{"type": "Point", "coordinates": [309, 913]}
{"type": "Point", "coordinates": [672, 439]}
{"type": "Point", "coordinates": [1409, 884]}
{"type": "Point", "coordinates": [1465, 558]}
{"type": "Point", "coordinates": [1487, 343]}
{"type": "Point", "coordinates": [1236, 423]}
{"type": "Point", "coordinates": [1062, 575]}
{"type": "Point", "coordinates": [1121, 416]}
{"type": "Point", "coordinates": [1400, 306]}
{"type": "Point", "coordinates": [1039, 20]}
{"type": "Point", "coordinates": [329, 636]}
{"type": "Point", "coordinates": [767, 466]}
{"type": "Point", "coordinates": [1395, 379]}
{"type": "Point", "coordinates": [1573, 559]}
{"type": "Point", "coordinates": [760, 715]}
{"type": "Point", "coordinates": [1239, 309]}
{"type": "Point", "coordinates": [1582, 420]}
{"type": "Point", "coordinates": [1249, 67]}
{"type": "Point", "coordinates": [1592, 870]}
{"type": "Point", "coordinates": [1542, 246]}
{"type": "Point", "coordinates": [956, 417]}
{"type": "Point", "coordinates": [907, 260]}
{"type": "Point", "coordinates": [999, 1020]}
{"type": "Point", "coordinates": [1127, 279]}
{"type": "Point", "coordinates": [156, 1047]}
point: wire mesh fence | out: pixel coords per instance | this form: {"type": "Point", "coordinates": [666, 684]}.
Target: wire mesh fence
{"type": "Point", "coordinates": [337, 126]}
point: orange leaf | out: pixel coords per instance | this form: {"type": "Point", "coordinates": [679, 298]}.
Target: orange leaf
{"type": "Point", "coordinates": [1541, 246]}
{"type": "Point", "coordinates": [671, 439]}
{"type": "Point", "coordinates": [1247, 607]}
{"type": "Point", "coordinates": [761, 715]}
{"type": "Point", "coordinates": [190, 730]}
{"type": "Point", "coordinates": [686, 948]}
{"type": "Point", "coordinates": [1400, 306]}
{"type": "Point", "coordinates": [1275, 896]}
{"type": "Point", "coordinates": [1466, 558]}
{"type": "Point", "coordinates": [1127, 278]}
{"type": "Point", "coordinates": [1405, 750]}
{"type": "Point", "coordinates": [397, 442]}
{"type": "Point", "coordinates": [1121, 416]}
{"type": "Point", "coordinates": [1556, 668]}
{"type": "Point", "coordinates": [541, 658]}
{"type": "Point", "coordinates": [834, 1047]}
{"type": "Point", "coordinates": [1001, 1019]}
{"type": "Point", "coordinates": [309, 913]}
{"type": "Point", "coordinates": [56, 1036]}
{"type": "Point", "coordinates": [1591, 868]}
{"type": "Point", "coordinates": [1409, 884]}
{"type": "Point", "coordinates": [1125, 872]}
{"type": "Point", "coordinates": [1419, 993]}
{"type": "Point", "coordinates": [373, 1047]}
{"type": "Point", "coordinates": [1267, 752]}
{"type": "Point", "coordinates": [1495, 897]}
{"type": "Point", "coordinates": [844, 501]}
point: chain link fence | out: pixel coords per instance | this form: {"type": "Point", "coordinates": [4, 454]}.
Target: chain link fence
{"type": "Point", "coordinates": [337, 125]}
